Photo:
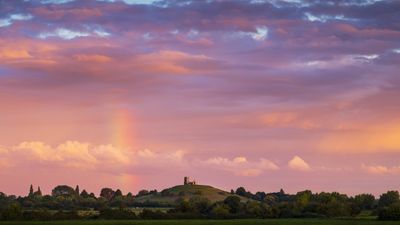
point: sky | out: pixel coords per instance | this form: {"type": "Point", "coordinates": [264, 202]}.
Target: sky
{"type": "Point", "coordinates": [137, 94]}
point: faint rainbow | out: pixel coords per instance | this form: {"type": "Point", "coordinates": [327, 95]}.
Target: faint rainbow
{"type": "Point", "coordinates": [123, 135]}
{"type": "Point", "coordinates": [123, 129]}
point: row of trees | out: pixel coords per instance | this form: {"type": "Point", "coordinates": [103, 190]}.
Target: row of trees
{"type": "Point", "coordinates": [65, 202]}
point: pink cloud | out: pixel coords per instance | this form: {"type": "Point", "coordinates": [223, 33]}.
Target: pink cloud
{"type": "Point", "coordinates": [297, 163]}
{"type": "Point", "coordinates": [240, 166]}
{"type": "Point", "coordinates": [381, 170]}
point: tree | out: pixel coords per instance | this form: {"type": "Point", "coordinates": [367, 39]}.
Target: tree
{"type": "Point", "coordinates": [220, 211]}
{"type": "Point", "coordinates": [84, 194]}
{"type": "Point", "coordinates": [241, 191]}
{"type": "Point", "coordinates": [12, 212]}
{"type": "Point", "coordinates": [233, 202]}
{"type": "Point", "coordinates": [303, 198]}
{"type": "Point", "coordinates": [31, 191]}
{"type": "Point", "coordinates": [107, 193]}
{"type": "Point", "coordinates": [77, 190]}
{"type": "Point", "coordinates": [389, 198]}
{"type": "Point", "coordinates": [200, 204]}
{"type": "Point", "coordinates": [254, 209]}
{"type": "Point", "coordinates": [142, 193]}
{"type": "Point", "coordinates": [364, 201]}
{"type": "Point", "coordinates": [118, 193]}
{"type": "Point", "coordinates": [63, 190]}
{"type": "Point", "coordinates": [391, 212]}
{"type": "Point", "coordinates": [38, 192]}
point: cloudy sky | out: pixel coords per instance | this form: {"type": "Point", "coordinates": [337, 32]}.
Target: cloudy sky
{"type": "Point", "coordinates": [134, 94]}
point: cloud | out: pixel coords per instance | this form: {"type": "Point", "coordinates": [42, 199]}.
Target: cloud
{"type": "Point", "coordinates": [83, 155]}
{"type": "Point", "coordinates": [381, 170]}
{"type": "Point", "coordinates": [69, 154]}
{"type": "Point", "coordinates": [68, 34]}
{"type": "Point", "coordinates": [297, 163]}
{"type": "Point", "coordinates": [12, 54]}
{"type": "Point", "coordinates": [14, 17]}
{"type": "Point", "coordinates": [63, 33]}
{"type": "Point", "coordinates": [92, 58]}
{"type": "Point", "coordinates": [370, 138]}
{"type": "Point", "coordinates": [240, 166]}
{"type": "Point", "coordinates": [174, 62]}
{"type": "Point", "coordinates": [56, 1]}
{"type": "Point", "coordinates": [261, 33]}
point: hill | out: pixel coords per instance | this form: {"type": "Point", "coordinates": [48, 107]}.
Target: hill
{"type": "Point", "coordinates": [170, 196]}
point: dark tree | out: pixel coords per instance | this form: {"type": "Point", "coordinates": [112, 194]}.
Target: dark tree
{"type": "Point", "coordinates": [241, 191]}
{"type": "Point", "coordinates": [31, 191]}
{"type": "Point", "coordinates": [107, 193]}
{"type": "Point", "coordinates": [77, 190]}
{"type": "Point", "coordinates": [84, 194]}
{"type": "Point", "coordinates": [63, 190]}
{"type": "Point", "coordinates": [364, 201]}
{"type": "Point", "coordinates": [391, 212]}
{"type": "Point", "coordinates": [142, 193]}
{"type": "Point", "coordinates": [233, 202]}
{"type": "Point", "coordinates": [38, 192]}
{"type": "Point", "coordinates": [389, 198]}
{"type": "Point", "coordinates": [118, 193]}
{"type": "Point", "coordinates": [12, 212]}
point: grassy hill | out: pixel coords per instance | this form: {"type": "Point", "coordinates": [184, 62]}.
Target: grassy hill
{"type": "Point", "coordinates": [171, 195]}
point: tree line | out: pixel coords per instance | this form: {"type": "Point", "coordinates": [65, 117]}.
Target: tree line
{"type": "Point", "coordinates": [66, 203]}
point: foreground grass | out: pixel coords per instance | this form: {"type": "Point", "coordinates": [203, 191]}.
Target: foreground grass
{"type": "Point", "coordinates": [211, 222]}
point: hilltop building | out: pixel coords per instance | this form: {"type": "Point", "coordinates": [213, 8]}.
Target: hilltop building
{"type": "Point", "coordinates": [187, 181]}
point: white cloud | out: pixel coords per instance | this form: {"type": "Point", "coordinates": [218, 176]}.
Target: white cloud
{"type": "Point", "coordinates": [261, 33]}
{"type": "Point", "coordinates": [56, 1]}
{"type": "Point", "coordinates": [83, 155]}
{"type": "Point", "coordinates": [14, 17]}
{"type": "Point", "coordinates": [380, 170]}
{"type": "Point", "coordinates": [132, 2]}
{"type": "Point", "coordinates": [396, 50]}
{"type": "Point", "coordinates": [5, 22]}
{"type": "Point", "coordinates": [101, 33]}
{"type": "Point", "coordinates": [70, 154]}
{"type": "Point", "coordinates": [297, 163]}
{"type": "Point", "coordinates": [346, 60]}
{"type": "Point", "coordinates": [21, 16]}
{"type": "Point", "coordinates": [240, 166]}
{"type": "Point", "coordinates": [68, 34]}
{"type": "Point", "coordinates": [146, 156]}
{"type": "Point", "coordinates": [324, 18]}
{"type": "Point", "coordinates": [63, 34]}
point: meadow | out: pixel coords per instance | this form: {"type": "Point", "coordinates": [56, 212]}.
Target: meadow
{"type": "Point", "coordinates": [210, 222]}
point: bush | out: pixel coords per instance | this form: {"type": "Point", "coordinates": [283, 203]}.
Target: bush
{"type": "Point", "coordinates": [117, 214]}
{"type": "Point", "coordinates": [150, 214]}
{"type": "Point", "coordinates": [66, 215]}
{"type": "Point", "coordinates": [12, 212]}
{"type": "Point", "coordinates": [220, 211]}
{"type": "Point", "coordinates": [37, 215]}
{"type": "Point", "coordinates": [391, 212]}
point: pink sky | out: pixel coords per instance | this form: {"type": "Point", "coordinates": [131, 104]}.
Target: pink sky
{"type": "Point", "coordinates": [262, 94]}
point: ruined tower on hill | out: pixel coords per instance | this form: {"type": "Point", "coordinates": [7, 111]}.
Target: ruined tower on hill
{"type": "Point", "coordinates": [187, 181]}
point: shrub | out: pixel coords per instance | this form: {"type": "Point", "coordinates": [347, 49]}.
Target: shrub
{"type": "Point", "coordinates": [391, 212]}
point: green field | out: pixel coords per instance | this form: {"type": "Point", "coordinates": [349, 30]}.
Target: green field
{"type": "Point", "coordinates": [213, 222]}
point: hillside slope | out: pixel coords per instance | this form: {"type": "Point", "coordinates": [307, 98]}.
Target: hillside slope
{"type": "Point", "coordinates": [170, 196]}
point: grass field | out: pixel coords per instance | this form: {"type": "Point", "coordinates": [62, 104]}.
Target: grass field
{"type": "Point", "coordinates": [213, 222]}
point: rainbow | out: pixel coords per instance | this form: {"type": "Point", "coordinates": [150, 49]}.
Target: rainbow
{"type": "Point", "coordinates": [123, 129]}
